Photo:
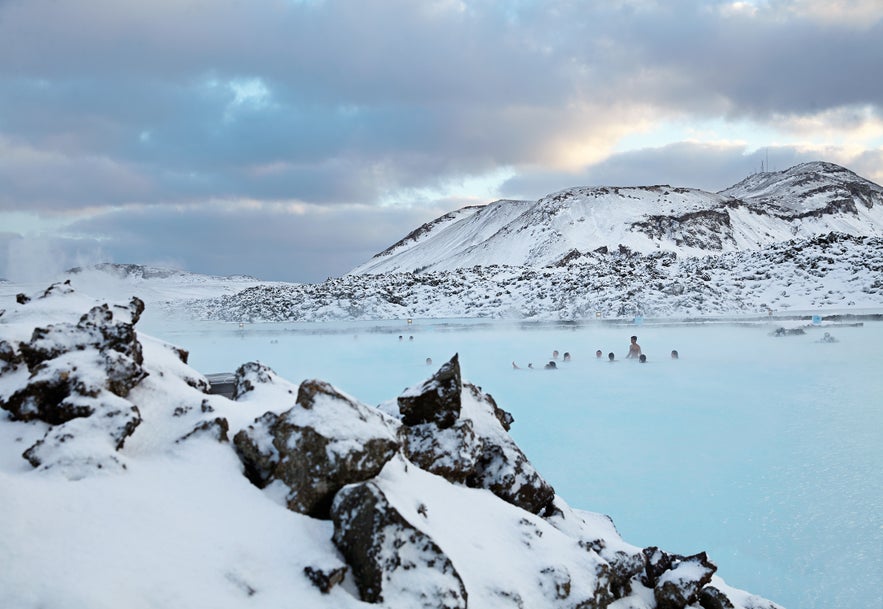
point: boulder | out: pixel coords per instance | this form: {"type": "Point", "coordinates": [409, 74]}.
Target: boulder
{"type": "Point", "coordinates": [248, 375]}
{"type": "Point", "coordinates": [451, 453]}
{"type": "Point", "coordinates": [681, 585]}
{"type": "Point", "coordinates": [436, 400]}
{"type": "Point", "coordinates": [712, 598]}
{"type": "Point", "coordinates": [392, 561]}
{"type": "Point", "coordinates": [326, 441]}
{"type": "Point", "coordinates": [468, 444]}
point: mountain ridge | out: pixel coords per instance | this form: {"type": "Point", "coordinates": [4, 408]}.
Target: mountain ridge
{"type": "Point", "coordinates": [803, 201]}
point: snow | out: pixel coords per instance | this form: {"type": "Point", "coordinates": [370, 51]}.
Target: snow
{"type": "Point", "coordinates": [802, 202]}
{"type": "Point", "coordinates": [744, 447]}
{"type": "Point", "coordinates": [182, 526]}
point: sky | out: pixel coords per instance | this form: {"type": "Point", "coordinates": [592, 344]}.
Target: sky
{"type": "Point", "coordinates": [292, 140]}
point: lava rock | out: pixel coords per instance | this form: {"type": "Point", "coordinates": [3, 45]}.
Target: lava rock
{"type": "Point", "coordinates": [326, 441]}
{"type": "Point", "coordinates": [392, 561]}
{"type": "Point", "coordinates": [681, 585]}
{"type": "Point", "coordinates": [451, 453]}
{"type": "Point", "coordinates": [437, 400]}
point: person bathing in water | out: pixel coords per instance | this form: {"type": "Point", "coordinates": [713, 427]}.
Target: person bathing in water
{"type": "Point", "coordinates": [634, 349]}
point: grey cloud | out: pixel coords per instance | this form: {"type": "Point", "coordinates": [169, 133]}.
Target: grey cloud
{"type": "Point", "coordinates": [270, 245]}
{"type": "Point", "coordinates": [118, 104]}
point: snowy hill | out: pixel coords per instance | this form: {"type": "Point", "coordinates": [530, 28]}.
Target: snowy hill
{"type": "Point", "coordinates": [832, 273]}
{"type": "Point", "coordinates": [133, 485]}
{"type": "Point", "coordinates": [802, 202]}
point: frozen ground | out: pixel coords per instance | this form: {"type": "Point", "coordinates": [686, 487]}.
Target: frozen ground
{"type": "Point", "coordinates": [763, 451]}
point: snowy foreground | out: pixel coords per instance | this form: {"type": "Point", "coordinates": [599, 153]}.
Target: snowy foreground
{"type": "Point", "coordinates": [140, 489]}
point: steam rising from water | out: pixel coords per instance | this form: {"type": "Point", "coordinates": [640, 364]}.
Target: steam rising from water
{"type": "Point", "coordinates": [765, 451]}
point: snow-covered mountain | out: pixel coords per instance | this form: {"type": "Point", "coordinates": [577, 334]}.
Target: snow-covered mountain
{"type": "Point", "coordinates": [132, 484]}
{"type": "Point", "coordinates": [802, 202]}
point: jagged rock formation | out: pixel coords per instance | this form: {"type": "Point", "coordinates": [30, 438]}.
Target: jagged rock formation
{"type": "Point", "coordinates": [55, 383]}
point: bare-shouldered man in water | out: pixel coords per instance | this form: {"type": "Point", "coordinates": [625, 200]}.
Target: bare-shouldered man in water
{"type": "Point", "coordinates": [634, 349]}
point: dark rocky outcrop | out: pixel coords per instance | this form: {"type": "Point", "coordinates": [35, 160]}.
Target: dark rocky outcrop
{"type": "Point", "coordinates": [451, 453]}
{"type": "Point", "coordinates": [78, 376]}
{"type": "Point", "coordinates": [681, 585]}
{"type": "Point", "coordinates": [249, 374]}
{"type": "Point", "coordinates": [326, 441]}
{"type": "Point", "coordinates": [712, 598]}
{"type": "Point", "coordinates": [468, 447]}
{"type": "Point", "coordinates": [435, 401]}
{"type": "Point", "coordinates": [392, 561]}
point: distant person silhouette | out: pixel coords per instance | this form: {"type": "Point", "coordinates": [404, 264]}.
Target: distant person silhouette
{"type": "Point", "coordinates": [610, 356]}
{"type": "Point", "coordinates": [642, 358]}
{"type": "Point", "coordinates": [551, 366]}
{"type": "Point", "coordinates": [674, 354]}
{"type": "Point", "coordinates": [566, 356]}
{"type": "Point", "coordinates": [598, 354]}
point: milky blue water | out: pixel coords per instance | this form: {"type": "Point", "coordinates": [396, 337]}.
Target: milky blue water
{"type": "Point", "coordinates": [766, 452]}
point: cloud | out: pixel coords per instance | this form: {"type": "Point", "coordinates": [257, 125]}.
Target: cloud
{"type": "Point", "coordinates": [269, 241]}
{"type": "Point", "coordinates": [108, 108]}
{"type": "Point", "coordinates": [704, 165]}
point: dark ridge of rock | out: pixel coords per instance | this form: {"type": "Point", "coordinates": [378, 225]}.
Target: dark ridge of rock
{"type": "Point", "coordinates": [326, 441]}
{"type": "Point", "coordinates": [506, 472]}
{"type": "Point", "coordinates": [216, 429]}
{"type": "Point", "coordinates": [22, 298]}
{"type": "Point", "coordinates": [451, 453]}
{"type": "Point", "coordinates": [623, 568]}
{"type": "Point", "coordinates": [325, 579]}
{"type": "Point", "coordinates": [656, 563]}
{"type": "Point", "coordinates": [502, 467]}
{"type": "Point", "coordinates": [389, 557]}
{"type": "Point", "coordinates": [437, 400]}
{"type": "Point", "coordinates": [259, 458]}
{"type": "Point", "coordinates": [56, 391]}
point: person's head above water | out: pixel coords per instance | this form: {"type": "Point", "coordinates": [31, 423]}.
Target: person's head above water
{"type": "Point", "coordinates": [674, 354]}
{"type": "Point", "coordinates": [598, 354]}
{"type": "Point", "coordinates": [642, 358]}
{"type": "Point", "coordinates": [610, 356]}
{"type": "Point", "coordinates": [634, 339]}
{"type": "Point", "coordinates": [555, 354]}
{"type": "Point", "coordinates": [567, 356]}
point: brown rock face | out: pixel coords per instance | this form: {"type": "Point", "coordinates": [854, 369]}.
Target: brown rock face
{"type": "Point", "coordinates": [326, 441]}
